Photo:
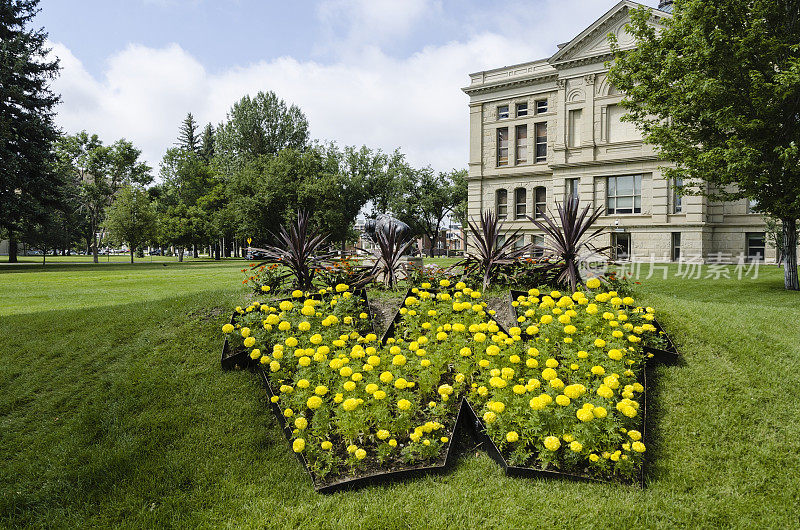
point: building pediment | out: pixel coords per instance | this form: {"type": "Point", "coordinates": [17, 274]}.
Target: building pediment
{"type": "Point", "coordinates": [593, 41]}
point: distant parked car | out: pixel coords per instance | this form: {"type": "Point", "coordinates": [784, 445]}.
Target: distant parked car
{"type": "Point", "coordinates": [156, 252]}
{"type": "Point", "coordinates": [255, 254]}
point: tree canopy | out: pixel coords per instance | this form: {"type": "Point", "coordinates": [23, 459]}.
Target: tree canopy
{"type": "Point", "coordinates": [717, 91]}
{"type": "Point", "coordinates": [26, 120]}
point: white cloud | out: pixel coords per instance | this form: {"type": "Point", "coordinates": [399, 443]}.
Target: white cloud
{"type": "Point", "coordinates": [364, 97]}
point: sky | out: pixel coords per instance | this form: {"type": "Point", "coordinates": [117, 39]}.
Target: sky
{"type": "Point", "coordinates": [383, 73]}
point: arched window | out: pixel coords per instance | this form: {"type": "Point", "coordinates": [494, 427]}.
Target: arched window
{"type": "Point", "coordinates": [540, 204]}
{"type": "Point", "coordinates": [520, 203]}
{"type": "Point", "coordinates": [501, 203]}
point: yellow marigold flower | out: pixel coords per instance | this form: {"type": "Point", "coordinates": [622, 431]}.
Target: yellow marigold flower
{"type": "Point", "coordinates": [445, 390]}
{"type": "Point", "coordinates": [562, 400]}
{"type": "Point", "coordinates": [497, 382]}
{"type": "Point", "coordinates": [399, 360]}
{"type": "Point", "coordinates": [584, 415]}
{"type": "Point", "coordinates": [379, 394]}
{"type": "Point", "coordinates": [496, 406]}
{"type": "Point", "coordinates": [350, 404]}
{"type": "Point", "coordinates": [546, 319]}
{"type": "Point", "coordinates": [570, 329]}
{"type": "Point", "coordinates": [404, 404]}
{"type": "Point", "coordinates": [314, 402]}
{"type": "Point", "coordinates": [301, 423]}
{"type": "Point", "coordinates": [255, 354]}
{"type": "Point", "coordinates": [598, 370]}
{"type": "Point", "coordinates": [551, 363]}
{"type": "Point", "coordinates": [605, 391]}
{"type": "Point", "coordinates": [557, 383]}
{"type": "Point", "coordinates": [386, 377]}
{"type": "Point", "coordinates": [530, 362]}
{"type": "Point", "coordinates": [288, 413]}
{"type": "Point", "coordinates": [360, 454]}
{"type": "Point", "coordinates": [574, 391]}
{"type": "Point", "coordinates": [382, 434]}
{"type": "Point", "coordinates": [552, 443]}
{"type": "Point", "coordinates": [638, 447]}
{"type": "Point", "coordinates": [341, 287]}
{"type": "Point", "coordinates": [519, 389]}
{"type": "Point", "coordinates": [576, 446]}
{"type": "Point", "coordinates": [274, 366]}
{"type": "Point", "coordinates": [249, 342]}
{"type": "Point", "coordinates": [227, 328]}
{"type": "Point", "coordinates": [512, 437]}
{"type": "Point", "coordinates": [349, 386]}
{"type": "Point", "coordinates": [593, 283]}
{"type": "Point", "coordinates": [298, 445]}
{"type": "Point", "coordinates": [548, 374]}
{"type": "Point", "coordinates": [489, 417]}
{"type": "Point", "coordinates": [444, 283]}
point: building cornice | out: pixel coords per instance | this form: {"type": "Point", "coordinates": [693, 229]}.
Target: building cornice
{"type": "Point", "coordinates": [588, 163]}
{"type": "Point", "coordinates": [509, 83]}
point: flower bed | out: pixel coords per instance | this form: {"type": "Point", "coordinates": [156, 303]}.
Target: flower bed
{"type": "Point", "coordinates": [562, 392]}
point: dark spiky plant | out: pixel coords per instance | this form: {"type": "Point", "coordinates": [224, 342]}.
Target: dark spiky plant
{"type": "Point", "coordinates": [490, 254]}
{"type": "Point", "coordinates": [569, 239]}
{"type": "Point", "coordinates": [391, 247]}
{"type": "Point", "coordinates": [298, 249]}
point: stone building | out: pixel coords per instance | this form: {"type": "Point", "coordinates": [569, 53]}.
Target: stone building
{"type": "Point", "coordinates": [545, 129]}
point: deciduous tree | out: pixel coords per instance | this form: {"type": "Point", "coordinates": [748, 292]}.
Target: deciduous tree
{"type": "Point", "coordinates": [717, 91]}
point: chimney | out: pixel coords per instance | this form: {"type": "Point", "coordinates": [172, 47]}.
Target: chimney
{"type": "Point", "coordinates": [665, 5]}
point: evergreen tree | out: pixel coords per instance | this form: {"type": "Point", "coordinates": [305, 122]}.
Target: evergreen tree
{"type": "Point", "coordinates": [207, 143]}
{"type": "Point", "coordinates": [187, 136]}
{"type": "Point", "coordinates": [26, 119]}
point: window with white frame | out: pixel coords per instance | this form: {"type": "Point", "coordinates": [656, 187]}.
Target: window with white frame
{"type": "Point", "coordinates": [575, 125]}
{"type": "Point", "coordinates": [501, 203]}
{"type": "Point", "coordinates": [537, 252]}
{"type": "Point", "coordinates": [541, 142]}
{"type": "Point", "coordinates": [540, 202]}
{"type": "Point", "coordinates": [502, 112]}
{"type": "Point", "coordinates": [571, 188]}
{"type": "Point", "coordinates": [756, 246]}
{"type": "Point", "coordinates": [676, 246]}
{"type": "Point", "coordinates": [520, 203]}
{"type": "Point", "coordinates": [677, 199]}
{"type": "Point", "coordinates": [522, 110]}
{"type": "Point", "coordinates": [522, 144]}
{"type": "Point", "coordinates": [541, 106]}
{"type": "Point", "coordinates": [624, 194]}
{"type": "Point", "coordinates": [502, 146]}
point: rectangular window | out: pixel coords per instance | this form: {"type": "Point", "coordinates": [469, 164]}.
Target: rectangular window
{"type": "Point", "coordinates": [620, 246]}
{"type": "Point", "coordinates": [520, 203]}
{"type": "Point", "coordinates": [618, 130]}
{"type": "Point", "coordinates": [502, 146]}
{"type": "Point", "coordinates": [501, 203]}
{"type": "Point", "coordinates": [522, 110]}
{"type": "Point", "coordinates": [540, 204]}
{"type": "Point", "coordinates": [502, 112]}
{"type": "Point", "coordinates": [624, 194]}
{"type": "Point", "coordinates": [541, 142]}
{"type": "Point", "coordinates": [538, 252]}
{"type": "Point", "coordinates": [677, 199]}
{"type": "Point", "coordinates": [501, 239]}
{"type": "Point", "coordinates": [522, 144]}
{"type": "Point", "coordinates": [756, 246]}
{"type": "Point", "coordinates": [575, 124]}
{"type": "Point", "coordinates": [519, 241]}
{"type": "Point", "coordinates": [676, 246]}
{"type": "Point", "coordinates": [541, 106]}
{"type": "Point", "coordinates": [571, 188]}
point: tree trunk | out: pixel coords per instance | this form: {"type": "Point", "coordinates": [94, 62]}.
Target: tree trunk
{"type": "Point", "coordinates": [94, 247]}
{"type": "Point", "coordinates": [131, 253]}
{"type": "Point", "coordinates": [180, 255]}
{"type": "Point", "coordinates": [44, 256]}
{"type": "Point", "coordinates": [216, 251]}
{"type": "Point", "coordinates": [790, 254]}
{"type": "Point", "coordinates": [194, 250]}
{"type": "Point", "coordinates": [13, 248]}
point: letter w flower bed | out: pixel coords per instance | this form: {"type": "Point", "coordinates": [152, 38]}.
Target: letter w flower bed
{"type": "Point", "coordinates": [561, 391]}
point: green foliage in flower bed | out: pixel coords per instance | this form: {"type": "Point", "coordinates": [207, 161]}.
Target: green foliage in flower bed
{"type": "Point", "coordinates": [562, 393]}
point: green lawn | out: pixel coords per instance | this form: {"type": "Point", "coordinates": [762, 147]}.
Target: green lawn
{"type": "Point", "coordinates": [114, 412]}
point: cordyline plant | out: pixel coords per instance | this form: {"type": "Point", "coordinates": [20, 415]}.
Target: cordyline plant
{"type": "Point", "coordinates": [569, 239]}
{"type": "Point", "coordinates": [489, 252]}
{"type": "Point", "coordinates": [298, 250]}
{"type": "Point", "coordinates": [391, 247]}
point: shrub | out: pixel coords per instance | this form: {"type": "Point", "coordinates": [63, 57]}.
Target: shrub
{"type": "Point", "coordinates": [489, 254]}
{"type": "Point", "coordinates": [568, 239]}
